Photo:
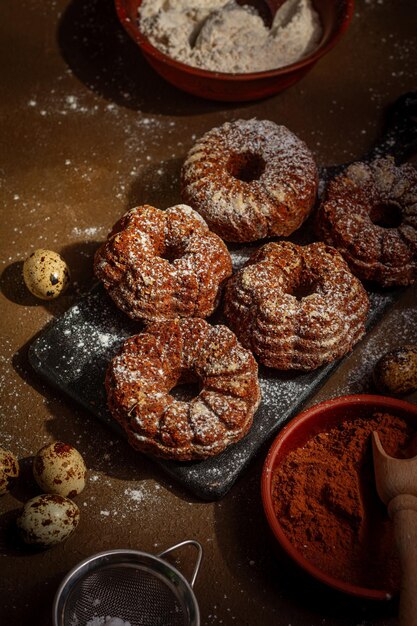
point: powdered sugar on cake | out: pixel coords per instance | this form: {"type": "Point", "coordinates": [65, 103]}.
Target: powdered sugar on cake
{"type": "Point", "coordinates": [370, 215]}
{"type": "Point", "coordinates": [250, 179]}
{"type": "Point", "coordinates": [162, 264]}
{"type": "Point", "coordinates": [296, 307]}
{"type": "Point", "coordinates": [141, 376]}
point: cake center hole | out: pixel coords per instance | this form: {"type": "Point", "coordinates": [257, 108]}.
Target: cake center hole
{"type": "Point", "coordinates": [171, 253]}
{"type": "Point", "coordinates": [386, 215]}
{"type": "Point", "coordinates": [185, 392]}
{"type": "Point", "coordinates": [305, 288]}
{"type": "Point", "coordinates": [246, 166]}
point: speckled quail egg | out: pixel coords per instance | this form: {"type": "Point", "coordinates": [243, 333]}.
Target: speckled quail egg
{"type": "Point", "coordinates": [396, 371]}
{"type": "Point", "coordinates": [48, 519]}
{"type": "Point", "coordinates": [60, 468]}
{"type": "Point", "coordinates": [46, 274]}
{"type": "Point", "coordinates": [9, 468]}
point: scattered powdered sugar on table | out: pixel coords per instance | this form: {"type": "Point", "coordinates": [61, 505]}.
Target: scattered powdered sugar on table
{"type": "Point", "coordinates": [226, 37]}
{"type": "Point", "coordinates": [90, 232]}
{"type": "Point", "coordinates": [141, 497]}
{"type": "Point", "coordinates": [86, 342]}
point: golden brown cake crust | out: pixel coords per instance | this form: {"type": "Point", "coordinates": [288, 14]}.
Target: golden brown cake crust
{"type": "Point", "coordinates": [163, 264]}
{"type": "Point", "coordinates": [250, 179]}
{"type": "Point", "coordinates": [150, 365]}
{"type": "Point", "coordinates": [352, 218]}
{"type": "Point", "coordinates": [296, 307]}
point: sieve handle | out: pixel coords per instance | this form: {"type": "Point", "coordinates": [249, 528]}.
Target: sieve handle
{"type": "Point", "coordinates": [199, 549]}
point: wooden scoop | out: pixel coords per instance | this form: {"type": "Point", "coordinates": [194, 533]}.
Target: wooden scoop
{"type": "Point", "coordinates": [396, 484]}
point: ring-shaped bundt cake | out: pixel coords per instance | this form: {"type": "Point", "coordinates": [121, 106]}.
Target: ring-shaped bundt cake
{"type": "Point", "coordinates": [163, 264]}
{"type": "Point", "coordinates": [296, 307]}
{"type": "Point", "coordinates": [150, 365]}
{"type": "Point", "coordinates": [250, 179]}
{"type": "Point", "coordinates": [370, 216]}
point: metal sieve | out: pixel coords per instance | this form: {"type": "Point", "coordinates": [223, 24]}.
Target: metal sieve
{"type": "Point", "coordinates": [137, 587]}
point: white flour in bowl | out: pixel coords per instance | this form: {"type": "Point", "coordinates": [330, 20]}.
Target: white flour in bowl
{"type": "Point", "coordinates": [226, 37]}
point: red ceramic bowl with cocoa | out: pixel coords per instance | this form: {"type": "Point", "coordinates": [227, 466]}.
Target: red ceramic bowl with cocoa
{"type": "Point", "coordinates": [296, 434]}
{"type": "Point", "coordinates": [335, 17]}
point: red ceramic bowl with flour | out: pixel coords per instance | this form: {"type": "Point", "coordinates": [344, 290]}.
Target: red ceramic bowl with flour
{"type": "Point", "coordinates": [335, 17]}
{"type": "Point", "coordinates": [322, 418]}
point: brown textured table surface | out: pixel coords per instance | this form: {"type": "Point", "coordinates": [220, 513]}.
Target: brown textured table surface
{"type": "Point", "coordinates": [88, 131]}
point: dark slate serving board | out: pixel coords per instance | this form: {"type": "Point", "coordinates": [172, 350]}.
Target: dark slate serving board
{"type": "Point", "coordinates": [74, 350]}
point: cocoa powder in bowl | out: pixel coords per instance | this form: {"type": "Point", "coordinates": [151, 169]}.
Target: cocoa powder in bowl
{"type": "Point", "coordinates": [325, 500]}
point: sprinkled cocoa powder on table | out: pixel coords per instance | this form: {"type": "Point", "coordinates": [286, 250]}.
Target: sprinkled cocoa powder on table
{"type": "Point", "coordinates": [326, 502]}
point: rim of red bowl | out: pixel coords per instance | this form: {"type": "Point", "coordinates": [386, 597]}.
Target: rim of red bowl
{"type": "Point", "coordinates": [267, 474]}
{"type": "Point", "coordinates": [133, 29]}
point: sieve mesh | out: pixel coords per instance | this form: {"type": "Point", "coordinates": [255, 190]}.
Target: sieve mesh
{"type": "Point", "coordinates": [132, 592]}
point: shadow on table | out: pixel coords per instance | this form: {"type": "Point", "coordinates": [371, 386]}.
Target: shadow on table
{"type": "Point", "coordinates": [14, 288]}
{"type": "Point", "coordinates": [101, 54]}
{"type": "Point", "coordinates": [157, 186]}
